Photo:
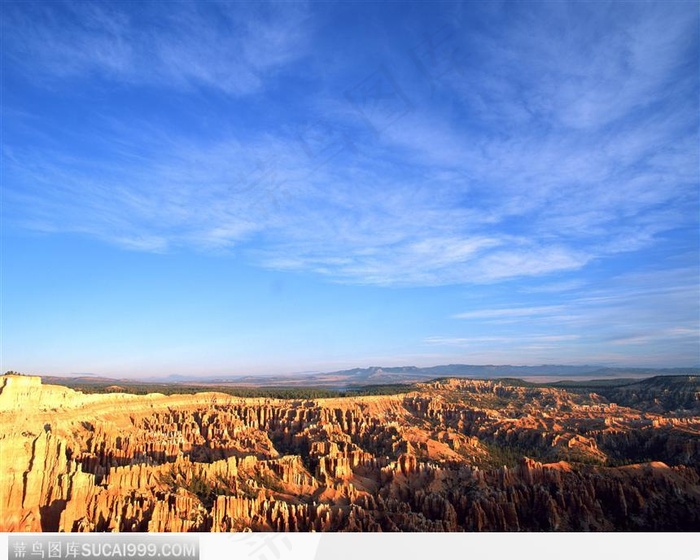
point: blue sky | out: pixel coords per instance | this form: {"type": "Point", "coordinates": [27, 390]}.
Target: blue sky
{"type": "Point", "coordinates": [213, 188]}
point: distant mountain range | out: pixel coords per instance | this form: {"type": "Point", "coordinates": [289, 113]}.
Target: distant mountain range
{"type": "Point", "coordinates": [409, 374]}
{"type": "Point", "coordinates": [405, 374]}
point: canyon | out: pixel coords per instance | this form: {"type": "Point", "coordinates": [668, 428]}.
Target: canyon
{"type": "Point", "coordinates": [448, 455]}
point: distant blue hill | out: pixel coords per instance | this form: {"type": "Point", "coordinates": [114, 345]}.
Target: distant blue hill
{"type": "Point", "coordinates": [408, 374]}
{"type": "Point", "coordinates": [377, 375]}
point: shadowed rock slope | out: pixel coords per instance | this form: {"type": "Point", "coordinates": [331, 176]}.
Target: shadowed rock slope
{"type": "Point", "coordinates": [454, 455]}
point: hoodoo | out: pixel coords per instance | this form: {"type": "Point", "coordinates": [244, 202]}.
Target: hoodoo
{"type": "Point", "coordinates": [453, 455]}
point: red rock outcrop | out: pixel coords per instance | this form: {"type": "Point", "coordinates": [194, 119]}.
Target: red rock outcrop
{"type": "Point", "coordinates": [455, 455]}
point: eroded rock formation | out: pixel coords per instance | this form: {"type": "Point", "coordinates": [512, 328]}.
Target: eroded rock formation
{"type": "Point", "coordinates": [454, 455]}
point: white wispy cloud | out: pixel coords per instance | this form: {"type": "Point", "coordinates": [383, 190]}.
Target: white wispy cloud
{"type": "Point", "coordinates": [556, 287]}
{"type": "Point", "coordinates": [657, 309]}
{"type": "Point", "coordinates": [510, 341]}
{"type": "Point", "coordinates": [508, 313]}
{"type": "Point", "coordinates": [593, 159]}
{"type": "Point", "coordinates": [691, 335]}
{"type": "Point", "coordinates": [233, 47]}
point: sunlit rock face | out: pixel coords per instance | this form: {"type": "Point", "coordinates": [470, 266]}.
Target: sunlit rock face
{"type": "Point", "coordinates": [454, 455]}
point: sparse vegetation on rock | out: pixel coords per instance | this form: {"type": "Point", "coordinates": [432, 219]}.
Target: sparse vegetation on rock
{"type": "Point", "coordinates": [450, 455]}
